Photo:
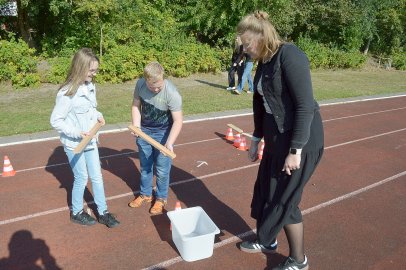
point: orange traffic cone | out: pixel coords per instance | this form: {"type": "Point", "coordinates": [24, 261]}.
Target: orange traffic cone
{"type": "Point", "coordinates": [230, 135]}
{"type": "Point", "coordinates": [261, 151]}
{"type": "Point", "coordinates": [243, 144]}
{"type": "Point", "coordinates": [7, 169]}
{"type": "Point", "coordinates": [177, 207]}
{"type": "Point", "coordinates": [237, 140]}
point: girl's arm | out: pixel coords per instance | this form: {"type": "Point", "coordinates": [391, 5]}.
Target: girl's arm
{"type": "Point", "coordinates": [59, 114]}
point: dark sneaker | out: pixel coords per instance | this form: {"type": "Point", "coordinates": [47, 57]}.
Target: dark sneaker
{"type": "Point", "coordinates": [83, 218]}
{"type": "Point", "coordinates": [108, 219]}
{"type": "Point", "coordinates": [255, 247]}
{"type": "Point", "coordinates": [290, 263]}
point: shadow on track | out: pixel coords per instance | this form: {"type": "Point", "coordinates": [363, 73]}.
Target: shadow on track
{"type": "Point", "coordinates": [28, 253]}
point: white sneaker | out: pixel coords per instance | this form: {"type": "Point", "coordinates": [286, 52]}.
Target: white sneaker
{"type": "Point", "coordinates": [230, 88]}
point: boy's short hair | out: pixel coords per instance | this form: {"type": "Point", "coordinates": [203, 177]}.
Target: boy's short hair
{"type": "Point", "coordinates": [153, 70]}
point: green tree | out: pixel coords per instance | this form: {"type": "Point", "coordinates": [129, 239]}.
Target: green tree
{"type": "Point", "coordinates": [214, 22]}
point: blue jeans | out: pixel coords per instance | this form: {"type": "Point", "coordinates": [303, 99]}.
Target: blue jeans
{"type": "Point", "coordinates": [246, 76]}
{"type": "Point", "coordinates": [150, 156]}
{"type": "Point", "coordinates": [86, 165]}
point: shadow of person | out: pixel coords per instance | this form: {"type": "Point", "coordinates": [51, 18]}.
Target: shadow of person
{"type": "Point", "coordinates": [273, 259]}
{"type": "Point", "coordinates": [25, 252]}
{"type": "Point", "coordinates": [59, 167]}
{"type": "Point", "coordinates": [212, 84]}
{"type": "Point", "coordinates": [193, 192]}
{"type": "Point", "coordinates": [121, 163]}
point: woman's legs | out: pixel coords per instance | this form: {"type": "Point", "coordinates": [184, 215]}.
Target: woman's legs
{"type": "Point", "coordinates": [294, 234]}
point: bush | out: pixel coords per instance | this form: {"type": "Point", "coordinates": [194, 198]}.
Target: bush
{"type": "Point", "coordinates": [399, 61]}
{"type": "Point", "coordinates": [18, 63]}
{"type": "Point", "coordinates": [126, 62]}
{"type": "Point", "coordinates": [341, 59]}
{"type": "Point", "coordinates": [322, 56]}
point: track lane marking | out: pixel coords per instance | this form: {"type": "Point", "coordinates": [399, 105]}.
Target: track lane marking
{"type": "Point", "coordinates": [213, 139]}
{"type": "Point", "coordinates": [3, 222]}
{"type": "Point", "coordinates": [212, 118]}
{"type": "Point", "coordinates": [238, 237]}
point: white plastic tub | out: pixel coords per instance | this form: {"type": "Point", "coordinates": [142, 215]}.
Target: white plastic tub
{"type": "Point", "coordinates": [193, 233]}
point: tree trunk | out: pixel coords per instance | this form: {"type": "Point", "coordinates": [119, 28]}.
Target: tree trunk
{"type": "Point", "coordinates": [366, 49]}
{"type": "Point", "coordinates": [101, 40]}
{"type": "Point", "coordinates": [23, 25]}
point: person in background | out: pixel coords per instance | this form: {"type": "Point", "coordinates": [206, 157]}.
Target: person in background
{"type": "Point", "coordinates": [73, 117]}
{"type": "Point", "coordinates": [237, 64]}
{"type": "Point", "coordinates": [246, 76]}
{"type": "Point", "coordinates": [157, 110]}
{"type": "Point", "coordinates": [288, 118]}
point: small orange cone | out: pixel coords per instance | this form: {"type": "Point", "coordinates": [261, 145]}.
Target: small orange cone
{"type": "Point", "coordinates": [261, 151]}
{"type": "Point", "coordinates": [177, 207]}
{"type": "Point", "coordinates": [237, 140]}
{"type": "Point", "coordinates": [230, 135]}
{"type": "Point", "coordinates": [243, 144]}
{"type": "Point", "coordinates": [7, 169]}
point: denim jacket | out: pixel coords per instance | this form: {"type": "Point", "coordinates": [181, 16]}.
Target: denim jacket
{"type": "Point", "coordinates": [287, 88]}
{"type": "Point", "coordinates": [75, 114]}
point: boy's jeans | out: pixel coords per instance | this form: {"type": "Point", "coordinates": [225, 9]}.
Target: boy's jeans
{"type": "Point", "coordinates": [150, 156]}
{"type": "Point", "coordinates": [86, 165]}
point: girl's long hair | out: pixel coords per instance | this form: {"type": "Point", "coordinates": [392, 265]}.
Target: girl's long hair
{"type": "Point", "coordinates": [237, 43]}
{"type": "Point", "coordinates": [78, 70]}
{"type": "Point", "coordinates": [258, 23]}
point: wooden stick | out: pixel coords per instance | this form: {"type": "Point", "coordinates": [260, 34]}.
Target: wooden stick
{"type": "Point", "coordinates": [239, 130]}
{"type": "Point", "coordinates": [87, 139]}
{"type": "Point", "coordinates": [153, 142]}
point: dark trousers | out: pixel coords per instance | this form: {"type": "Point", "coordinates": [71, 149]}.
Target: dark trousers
{"type": "Point", "coordinates": [231, 74]}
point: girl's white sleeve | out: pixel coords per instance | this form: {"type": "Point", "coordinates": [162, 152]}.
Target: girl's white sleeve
{"type": "Point", "coordinates": [59, 114]}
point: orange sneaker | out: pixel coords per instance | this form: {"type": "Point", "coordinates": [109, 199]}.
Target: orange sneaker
{"type": "Point", "coordinates": [138, 201]}
{"type": "Point", "coordinates": [158, 207]}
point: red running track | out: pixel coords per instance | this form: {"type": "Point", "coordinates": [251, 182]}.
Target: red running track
{"type": "Point", "coordinates": [354, 206]}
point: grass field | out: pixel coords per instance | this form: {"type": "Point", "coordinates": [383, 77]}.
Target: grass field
{"type": "Point", "coordinates": [26, 111]}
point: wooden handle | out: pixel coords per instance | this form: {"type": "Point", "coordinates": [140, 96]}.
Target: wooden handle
{"type": "Point", "coordinates": [87, 139]}
{"type": "Point", "coordinates": [239, 130]}
{"type": "Point", "coordinates": [153, 142]}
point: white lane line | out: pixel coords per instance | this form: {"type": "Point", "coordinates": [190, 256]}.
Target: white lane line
{"type": "Point", "coordinates": [109, 156]}
{"type": "Point", "coordinates": [363, 114]}
{"type": "Point", "coordinates": [8, 221]}
{"type": "Point", "coordinates": [206, 119]}
{"type": "Point", "coordinates": [238, 237]}
{"type": "Point", "coordinates": [195, 142]}
{"type": "Point", "coordinates": [191, 179]}
{"type": "Point", "coordinates": [366, 138]}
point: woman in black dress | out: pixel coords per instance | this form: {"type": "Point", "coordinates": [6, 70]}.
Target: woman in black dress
{"type": "Point", "coordinates": [288, 118]}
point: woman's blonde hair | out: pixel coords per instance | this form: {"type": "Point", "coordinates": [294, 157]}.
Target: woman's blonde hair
{"type": "Point", "coordinates": [154, 71]}
{"type": "Point", "coordinates": [258, 23]}
{"type": "Point", "coordinates": [78, 70]}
